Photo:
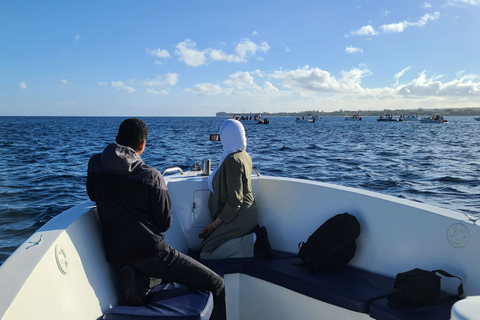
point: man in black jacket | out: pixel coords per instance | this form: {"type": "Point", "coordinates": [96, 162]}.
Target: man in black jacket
{"type": "Point", "coordinates": [135, 210]}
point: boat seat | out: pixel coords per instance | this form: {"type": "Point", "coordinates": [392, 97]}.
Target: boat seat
{"type": "Point", "coordinates": [170, 301]}
{"type": "Point", "coordinates": [381, 310]}
{"type": "Point", "coordinates": [349, 287]}
{"type": "Point", "coordinates": [237, 265]}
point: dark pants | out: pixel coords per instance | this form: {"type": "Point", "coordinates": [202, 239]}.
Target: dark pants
{"type": "Point", "coordinates": [177, 267]}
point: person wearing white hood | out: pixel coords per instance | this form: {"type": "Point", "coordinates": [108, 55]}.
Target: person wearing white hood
{"type": "Point", "coordinates": [233, 231]}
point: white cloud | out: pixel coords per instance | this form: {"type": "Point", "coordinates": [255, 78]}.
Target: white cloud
{"type": "Point", "coordinates": [426, 5]}
{"type": "Point", "coordinates": [241, 80]}
{"type": "Point", "coordinates": [464, 3]}
{"type": "Point", "coordinates": [398, 75]}
{"type": "Point", "coordinates": [169, 79]}
{"type": "Point", "coordinates": [365, 31]}
{"type": "Point", "coordinates": [63, 81]}
{"type": "Point", "coordinates": [386, 13]}
{"type": "Point", "coordinates": [401, 26]}
{"type": "Point", "coordinates": [103, 83]}
{"type": "Point", "coordinates": [270, 88]}
{"type": "Point", "coordinates": [318, 80]}
{"type": "Point", "coordinates": [423, 86]}
{"type": "Point", "coordinates": [77, 39]}
{"type": "Point", "coordinates": [351, 49]}
{"type": "Point", "coordinates": [207, 89]}
{"type": "Point", "coordinates": [188, 53]}
{"type": "Point", "coordinates": [153, 91]}
{"type": "Point", "coordinates": [158, 53]}
{"type": "Point", "coordinates": [247, 47]}
{"type": "Point", "coordinates": [120, 86]}
{"type": "Point", "coordinates": [22, 85]}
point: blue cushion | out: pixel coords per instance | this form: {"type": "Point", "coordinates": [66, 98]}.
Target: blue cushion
{"type": "Point", "coordinates": [382, 310]}
{"type": "Point", "coordinates": [170, 301]}
{"type": "Point", "coordinates": [349, 287]}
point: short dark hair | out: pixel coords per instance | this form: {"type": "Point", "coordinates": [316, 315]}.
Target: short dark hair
{"type": "Point", "coordinates": [132, 132]}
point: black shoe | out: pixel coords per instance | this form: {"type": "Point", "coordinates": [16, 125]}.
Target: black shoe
{"type": "Point", "coordinates": [262, 245]}
{"type": "Point", "coordinates": [133, 287]}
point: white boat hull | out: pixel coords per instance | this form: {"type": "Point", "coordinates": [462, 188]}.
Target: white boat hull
{"type": "Point", "coordinates": [397, 235]}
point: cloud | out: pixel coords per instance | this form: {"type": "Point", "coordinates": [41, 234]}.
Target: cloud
{"type": "Point", "coordinates": [188, 53]}
{"type": "Point", "coordinates": [153, 91]}
{"type": "Point", "coordinates": [426, 5]}
{"type": "Point", "coordinates": [158, 53]}
{"type": "Point", "coordinates": [207, 89]}
{"type": "Point", "coordinates": [365, 31]}
{"type": "Point", "coordinates": [122, 87]}
{"type": "Point", "coordinates": [401, 26]}
{"type": "Point", "coordinates": [398, 75]}
{"type": "Point", "coordinates": [423, 86]}
{"type": "Point", "coordinates": [318, 80]}
{"type": "Point", "coordinates": [397, 27]}
{"type": "Point", "coordinates": [385, 13]}
{"type": "Point", "coordinates": [22, 85]}
{"type": "Point", "coordinates": [241, 80]}
{"type": "Point", "coordinates": [77, 39]}
{"type": "Point", "coordinates": [102, 83]}
{"type": "Point", "coordinates": [351, 49]}
{"type": "Point", "coordinates": [169, 79]}
{"type": "Point", "coordinates": [464, 3]}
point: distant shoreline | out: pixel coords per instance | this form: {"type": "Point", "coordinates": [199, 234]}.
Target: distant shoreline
{"type": "Point", "coordinates": [367, 113]}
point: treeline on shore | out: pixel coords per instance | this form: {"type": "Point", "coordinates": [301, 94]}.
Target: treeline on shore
{"type": "Point", "coordinates": [367, 113]}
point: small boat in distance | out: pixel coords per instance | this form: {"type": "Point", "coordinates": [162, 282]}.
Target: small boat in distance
{"type": "Point", "coordinates": [412, 117]}
{"type": "Point", "coordinates": [251, 119]}
{"type": "Point", "coordinates": [389, 117]}
{"type": "Point", "coordinates": [434, 119]}
{"type": "Point", "coordinates": [477, 118]}
{"type": "Point", "coordinates": [354, 117]}
{"type": "Point", "coordinates": [308, 118]}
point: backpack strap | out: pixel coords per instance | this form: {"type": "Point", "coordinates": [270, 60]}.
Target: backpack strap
{"type": "Point", "coordinates": [446, 274]}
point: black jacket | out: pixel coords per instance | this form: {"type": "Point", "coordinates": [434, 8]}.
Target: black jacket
{"type": "Point", "coordinates": [132, 202]}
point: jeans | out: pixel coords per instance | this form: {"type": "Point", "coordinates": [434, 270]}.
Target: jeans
{"type": "Point", "coordinates": [173, 266]}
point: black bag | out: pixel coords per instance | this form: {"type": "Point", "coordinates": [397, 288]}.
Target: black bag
{"type": "Point", "coordinates": [332, 245]}
{"type": "Point", "coordinates": [419, 288]}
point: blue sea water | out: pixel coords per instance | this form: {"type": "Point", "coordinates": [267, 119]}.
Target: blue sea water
{"type": "Point", "coordinates": [44, 159]}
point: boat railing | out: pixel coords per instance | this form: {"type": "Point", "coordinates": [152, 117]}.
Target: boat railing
{"type": "Point", "coordinates": [173, 169]}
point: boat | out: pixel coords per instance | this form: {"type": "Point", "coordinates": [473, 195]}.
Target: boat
{"type": "Point", "coordinates": [412, 117]}
{"type": "Point", "coordinates": [251, 119]}
{"type": "Point", "coordinates": [434, 119]}
{"type": "Point", "coordinates": [354, 117]}
{"type": "Point", "coordinates": [477, 118]}
{"type": "Point", "coordinates": [308, 118]}
{"type": "Point", "coordinates": [389, 117]}
{"type": "Point", "coordinates": [60, 271]}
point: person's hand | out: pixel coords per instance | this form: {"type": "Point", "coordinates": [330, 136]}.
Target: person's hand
{"type": "Point", "coordinates": [206, 232]}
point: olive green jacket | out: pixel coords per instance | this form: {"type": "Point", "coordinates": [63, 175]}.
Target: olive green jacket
{"type": "Point", "coordinates": [232, 201]}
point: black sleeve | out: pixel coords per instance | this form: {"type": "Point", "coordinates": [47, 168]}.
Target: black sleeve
{"type": "Point", "coordinates": [161, 205]}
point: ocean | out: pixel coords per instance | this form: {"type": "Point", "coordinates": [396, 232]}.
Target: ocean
{"type": "Point", "coordinates": [44, 161]}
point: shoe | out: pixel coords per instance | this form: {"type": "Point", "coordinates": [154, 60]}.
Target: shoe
{"type": "Point", "coordinates": [133, 287]}
{"type": "Point", "coordinates": [262, 245]}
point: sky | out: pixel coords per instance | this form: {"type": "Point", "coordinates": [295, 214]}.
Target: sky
{"type": "Point", "coordinates": [199, 57]}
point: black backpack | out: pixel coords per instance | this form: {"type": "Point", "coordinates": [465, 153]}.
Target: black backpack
{"type": "Point", "coordinates": [332, 245]}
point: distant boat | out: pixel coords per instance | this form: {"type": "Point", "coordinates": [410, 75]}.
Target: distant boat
{"type": "Point", "coordinates": [251, 119]}
{"type": "Point", "coordinates": [477, 118]}
{"type": "Point", "coordinates": [354, 117]}
{"type": "Point", "coordinates": [434, 119]}
{"type": "Point", "coordinates": [308, 118]}
{"type": "Point", "coordinates": [389, 117]}
{"type": "Point", "coordinates": [412, 117]}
